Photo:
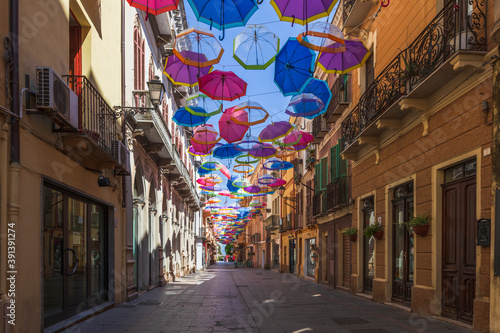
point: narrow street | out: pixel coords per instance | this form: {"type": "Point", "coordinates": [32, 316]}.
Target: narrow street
{"type": "Point", "coordinates": [224, 299]}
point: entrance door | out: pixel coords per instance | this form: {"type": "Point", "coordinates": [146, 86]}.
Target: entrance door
{"type": "Point", "coordinates": [459, 249]}
{"type": "Point", "coordinates": [74, 255]}
{"type": "Point", "coordinates": [368, 246]}
{"type": "Point", "coordinates": [292, 256]}
{"type": "Point", "coordinates": [346, 261]}
{"type": "Point", "coordinates": [402, 246]}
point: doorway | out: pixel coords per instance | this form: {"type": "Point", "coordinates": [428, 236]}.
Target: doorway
{"type": "Point", "coordinates": [402, 243]}
{"type": "Point", "coordinates": [459, 242]}
{"type": "Point", "coordinates": [292, 256]}
{"type": "Point", "coordinates": [368, 246]}
{"type": "Point", "coordinates": [74, 254]}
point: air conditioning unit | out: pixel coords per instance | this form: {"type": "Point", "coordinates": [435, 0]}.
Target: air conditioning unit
{"type": "Point", "coordinates": [55, 98]}
{"type": "Point", "coordinates": [122, 155]}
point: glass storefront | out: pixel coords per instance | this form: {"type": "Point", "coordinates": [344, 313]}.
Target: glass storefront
{"type": "Point", "coordinates": [74, 254]}
{"type": "Point", "coordinates": [310, 257]}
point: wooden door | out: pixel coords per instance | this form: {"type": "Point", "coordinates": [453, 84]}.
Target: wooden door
{"type": "Point", "coordinates": [346, 261]}
{"type": "Point", "coordinates": [368, 251]}
{"type": "Point", "coordinates": [459, 249]}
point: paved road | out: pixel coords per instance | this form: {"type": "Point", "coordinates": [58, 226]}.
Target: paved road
{"type": "Point", "coordinates": [223, 299]}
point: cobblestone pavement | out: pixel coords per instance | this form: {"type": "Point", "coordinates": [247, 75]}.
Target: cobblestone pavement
{"type": "Point", "coordinates": [224, 299]}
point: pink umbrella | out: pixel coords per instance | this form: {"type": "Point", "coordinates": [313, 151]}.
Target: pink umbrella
{"type": "Point", "coordinates": [182, 74]}
{"type": "Point", "coordinates": [225, 171]}
{"type": "Point", "coordinates": [298, 138]}
{"type": "Point", "coordinates": [154, 7]}
{"type": "Point", "coordinates": [205, 134]}
{"type": "Point", "coordinates": [229, 130]}
{"type": "Point", "coordinates": [222, 85]}
{"type": "Point", "coordinates": [278, 182]}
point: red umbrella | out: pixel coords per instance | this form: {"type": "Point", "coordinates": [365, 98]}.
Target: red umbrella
{"type": "Point", "coordinates": [229, 130]}
{"type": "Point", "coordinates": [222, 85]}
{"type": "Point", "coordinates": [154, 7]}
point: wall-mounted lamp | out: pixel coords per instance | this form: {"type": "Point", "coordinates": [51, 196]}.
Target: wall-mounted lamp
{"type": "Point", "coordinates": [156, 90]}
{"type": "Point", "coordinates": [103, 181]}
{"type": "Point", "coordinates": [138, 201]}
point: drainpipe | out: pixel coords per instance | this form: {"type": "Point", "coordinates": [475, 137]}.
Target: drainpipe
{"type": "Point", "coordinates": [14, 79]}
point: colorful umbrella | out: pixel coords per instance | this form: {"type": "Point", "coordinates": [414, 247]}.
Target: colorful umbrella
{"type": "Point", "coordinates": [354, 57]}
{"type": "Point", "coordinates": [294, 66]}
{"type": "Point", "coordinates": [203, 101]}
{"type": "Point", "coordinates": [319, 35]}
{"type": "Point", "coordinates": [190, 116]}
{"type": "Point", "coordinates": [262, 150]}
{"type": "Point", "coordinates": [275, 131]}
{"type": "Point", "coordinates": [226, 151]}
{"type": "Point", "coordinates": [223, 14]}
{"type": "Point", "coordinates": [154, 7]}
{"type": "Point", "coordinates": [305, 105]}
{"type": "Point", "coordinates": [230, 185]}
{"type": "Point", "coordinates": [256, 113]}
{"type": "Point", "coordinates": [252, 189]}
{"type": "Point", "coordinates": [273, 164]}
{"type": "Point", "coordinates": [182, 74]}
{"type": "Point", "coordinates": [255, 47]}
{"type": "Point", "coordinates": [222, 85]}
{"type": "Point", "coordinates": [302, 11]}
{"type": "Point", "coordinates": [299, 138]}
{"type": "Point", "coordinates": [203, 44]}
{"type": "Point", "coordinates": [266, 180]}
{"type": "Point", "coordinates": [278, 182]}
{"type": "Point", "coordinates": [318, 88]}
{"type": "Point", "coordinates": [231, 131]}
{"type": "Point", "coordinates": [193, 152]}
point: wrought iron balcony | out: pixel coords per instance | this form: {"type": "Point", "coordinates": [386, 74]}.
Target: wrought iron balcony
{"type": "Point", "coordinates": [96, 133]}
{"type": "Point", "coordinates": [310, 161]}
{"type": "Point", "coordinates": [319, 128]}
{"type": "Point", "coordinates": [272, 222]}
{"type": "Point", "coordinates": [341, 98]}
{"type": "Point", "coordinates": [337, 193]}
{"type": "Point", "coordinates": [255, 238]}
{"type": "Point", "coordinates": [319, 204]}
{"type": "Point", "coordinates": [453, 41]}
{"type": "Point", "coordinates": [355, 11]}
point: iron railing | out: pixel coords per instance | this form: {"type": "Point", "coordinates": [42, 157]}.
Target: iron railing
{"type": "Point", "coordinates": [337, 193]}
{"type": "Point", "coordinates": [456, 28]}
{"type": "Point", "coordinates": [341, 93]}
{"type": "Point", "coordinates": [319, 203]}
{"type": "Point", "coordinates": [288, 220]}
{"type": "Point", "coordinates": [272, 222]}
{"type": "Point", "coordinates": [96, 118]}
{"type": "Point", "coordinates": [255, 238]}
{"type": "Point", "coordinates": [319, 125]}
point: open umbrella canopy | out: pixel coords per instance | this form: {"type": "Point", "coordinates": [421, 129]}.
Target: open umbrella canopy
{"type": "Point", "coordinates": [255, 47]}
{"type": "Point", "coordinates": [305, 105]}
{"type": "Point", "coordinates": [299, 138]}
{"type": "Point", "coordinates": [183, 74]}
{"type": "Point", "coordinates": [230, 130]}
{"type": "Point", "coordinates": [223, 14]}
{"type": "Point", "coordinates": [193, 152]}
{"type": "Point", "coordinates": [320, 89]}
{"type": "Point", "coordinates": [223, 85]}
{"type": "Point", "coordinates": [154, 7]}
{"type": "Point", "coordinates": [353, 57]}
{"type": "Point", "coordinates": [205, 49]}
{"type": "Point", "coordinates": [294, 66]}
{"type": "Point", "coordinates": [302, 11]}
{"type": "Point", "coordinates": [226, 151]}
{"type": "Point", "coordinates": [262, 150]}
{"type": "Point", "coordinates": [198, 99]}
{"type": "Point", "coordinates": [275, 131]}
{"type": "Point", "coordinates": [190, 116]}
{"type": "Point", "coordinates": [320, 35]}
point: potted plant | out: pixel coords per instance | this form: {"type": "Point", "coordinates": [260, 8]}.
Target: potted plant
{"type": "Point", "coordinates": [352, 232]}
{"type": "Point", "coordinates": [420, 224]}
{"type": "Point", "coordinates": [376, 230]}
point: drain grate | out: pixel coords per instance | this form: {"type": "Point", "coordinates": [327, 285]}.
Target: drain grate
{"type": "Point", "coordinates": [349, 321]}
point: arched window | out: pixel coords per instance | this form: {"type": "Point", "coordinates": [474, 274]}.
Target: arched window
{"type": "Point", "coordinates": [164, 109]}
{"type": "Point", "coordinates": [138, 66]}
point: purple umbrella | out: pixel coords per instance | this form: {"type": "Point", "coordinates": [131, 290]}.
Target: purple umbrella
{"type": "Point", "coordinates": [262, 150]}
{"type": "Point", "coordinates": [353, 57]}
{"type": "Point", "coordinates": [275, 131]}
{"type": "Point", "coordinates": [252, 189]}
{"type": "Point", "coordinates": [302, 11]}
{"type": "Point", "coordinates": [182, 74]}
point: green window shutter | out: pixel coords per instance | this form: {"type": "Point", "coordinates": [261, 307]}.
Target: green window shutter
{"type": "Point", "coordinates": [317, 178]}
{"type": "Point", "coordinates": [324, 173]}
{"type": "Point", "coordinates": [342, 164]}
{"type": "Point", "coordinates": [333, 163]}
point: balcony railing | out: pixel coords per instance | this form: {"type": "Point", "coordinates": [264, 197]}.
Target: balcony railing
{"type": "Point", "coordinates": [319, 204]}
{"type": "Point", "coordinates": [272, 222]}
{"type": "Point", "coordinates": [341, 97]}
{"type": "Point", "coordinates": [289, 221]}
{"type": "Point", "coordinates": [203, 232]}
{"type": "Point", "coordinates": [337, 193]}
{"type": "Point", "coordinates": [319, 128]}
{"type": "Point", "coordinates": [255, 238]}
{"type": "Point", "coordinates": [454, 29]}
{"type": "Point", "coordinates": [97, 119]}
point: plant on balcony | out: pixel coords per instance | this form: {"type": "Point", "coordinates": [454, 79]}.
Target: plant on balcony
{"type": "Point", "coordinates": [420, 224]}
{"type": "Point", "coordinates": [376, 230]}
{"type": "Point", "coordinates": [352, 232]}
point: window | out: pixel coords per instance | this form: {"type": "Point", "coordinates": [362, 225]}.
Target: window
{"type": "Point", "coordinates": [462, 170]}
{"type": "Point", "coordinates": [369, 72]}
{"type": "Point", "coordinates": [321, 175]}
{"type": "Point", "coordinates": [164, 109]}
{"type": "Point", "coordinates": [338, 166]}
{"type": "Point", "coordinates": [138, 66]}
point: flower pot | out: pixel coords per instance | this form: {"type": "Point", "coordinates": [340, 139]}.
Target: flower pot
{"type": "Point", "coordinates": [421, 230]}
{"type": "Point", "coordinates": [378, 234]}
{"type": "Point", "coordinates": [353, 238]}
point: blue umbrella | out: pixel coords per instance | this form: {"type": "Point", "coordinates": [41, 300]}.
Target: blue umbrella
{"type": "Point", "coordinates": [294, 66]}
{"type": "Point", "coordinates": [223, 14]}
{"type": "Point", "coordinates": [318, 88]}
{"type": "Point", "coordinates": [305, 105]}
{"type": "Point", "coordinates": [230, 185]}
{"type": "Point", "coordinates": [190, 116]}
{"type": "Point", "coordinates": [226, 151]}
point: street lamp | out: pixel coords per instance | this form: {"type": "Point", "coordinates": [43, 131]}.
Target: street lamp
{"type": "Point", "coordinates": [156, 91]}
{"type": "Point", "coordinates": [281, 191]}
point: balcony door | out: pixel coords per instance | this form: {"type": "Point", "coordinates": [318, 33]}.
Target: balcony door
{"type": "Point", "coordinates": [403, 244]}
{"type": "Point", "coordinates": [74, 255]}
